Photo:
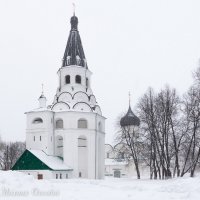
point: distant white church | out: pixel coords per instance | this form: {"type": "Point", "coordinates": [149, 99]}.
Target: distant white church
{"type": "Point", "coordinates": [118, 162]}
{"type": "Point", "coordinates": [67, 138]}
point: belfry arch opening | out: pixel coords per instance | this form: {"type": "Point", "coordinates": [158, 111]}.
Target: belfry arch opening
{"type": "Point", "coordinates": [67, 79]}
{"type": "Point", "coordinates": [78, 79]}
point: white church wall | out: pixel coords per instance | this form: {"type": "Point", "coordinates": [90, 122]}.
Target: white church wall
{"type": "Point", "coordinates": [94, 133]}
{"type": "Point", "coordinates": [71, 133]}
{"type": "Point", "coordinates": [40, 135]}
{"type": "Point", "coordinates": [100, 155]}
{"type": "Point", "coordinates": [59, 146]}
{"type": "Point", "coordinates": [48, 174]}
{"type": "Point", "coordinates": [73, 71]}
{"type": "Point", "coordinates": [61, 174]}
{"type": "Point", "coordinates": [82, 157]}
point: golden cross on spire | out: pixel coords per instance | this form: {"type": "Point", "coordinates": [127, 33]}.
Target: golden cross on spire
{"type": "Point", "coordinates": [74, 8]}
{"type": "Point", "coordinates": [42, 88]}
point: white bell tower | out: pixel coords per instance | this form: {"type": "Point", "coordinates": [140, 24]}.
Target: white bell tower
{"type": "Point", "coordinates": [73, 127]}
{"type": "Point", "coordinates": [81, 126]}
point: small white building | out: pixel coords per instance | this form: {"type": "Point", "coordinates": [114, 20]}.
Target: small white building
{"type": "Point", "coordinates": [116, 163]}
{"type": "Point", "coordinates": [69, 133]}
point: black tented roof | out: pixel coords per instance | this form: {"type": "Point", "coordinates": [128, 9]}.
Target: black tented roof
{"type": "Point", "coordinates": [74, 53]}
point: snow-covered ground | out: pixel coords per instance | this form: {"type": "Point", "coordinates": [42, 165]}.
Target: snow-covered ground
{"type": "Point", "coordinates": [15, 185]}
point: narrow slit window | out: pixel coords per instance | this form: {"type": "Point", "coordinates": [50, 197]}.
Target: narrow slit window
{"type": "Point", "coordinates": [87, 82]}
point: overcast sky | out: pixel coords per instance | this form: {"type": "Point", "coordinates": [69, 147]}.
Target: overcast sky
{"type": "Point", "coordinates": [130, 45]}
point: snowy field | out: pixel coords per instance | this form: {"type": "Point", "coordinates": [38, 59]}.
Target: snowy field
{"type": "Point", "coordinates": [14, 185]}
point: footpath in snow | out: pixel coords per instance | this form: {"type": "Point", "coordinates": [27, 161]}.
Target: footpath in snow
{"type": "Point", "coordinates": [16, 185]}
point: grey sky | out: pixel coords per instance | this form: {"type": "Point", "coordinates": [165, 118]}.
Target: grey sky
{"type": "Point", "coordinates": [129, 45]}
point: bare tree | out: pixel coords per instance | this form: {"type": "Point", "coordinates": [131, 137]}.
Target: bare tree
{"type": "Point", "coordinates": [192, 137]}
{"type": "Point", "coordinates": [159, 120]}
{"type": "Point", "coordinates": [196, 76]}
{"type": "Point", "coordinates": [9, 153]}
{"type": "Point", "coordinates": [131, 138]}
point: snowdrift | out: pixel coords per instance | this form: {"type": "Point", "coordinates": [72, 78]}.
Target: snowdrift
{"type": "Point", "coordinates": [16, 185]}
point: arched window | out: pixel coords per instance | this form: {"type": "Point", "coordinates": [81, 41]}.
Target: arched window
{"type": "Point", "coordinates": [37, 121]}
{"type": "Point", "coordinates": [82, 123]}
{"type": "Point", "coordinates": [67, 79]}
{"type": "Point", "coordinates": [87, 82]}
{"type": "Point", "coordinates": [59, 124]}
{"type": "Point", "coordinates": [78, 79]}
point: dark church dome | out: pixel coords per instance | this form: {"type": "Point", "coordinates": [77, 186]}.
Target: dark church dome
{"type": "Point", "coordinates": [130, 119]}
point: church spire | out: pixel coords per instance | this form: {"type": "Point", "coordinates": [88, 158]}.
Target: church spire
{"type": "Point", "coordinates": [74, 53]}
{"type": "Point", "coordinates": [42, 99]}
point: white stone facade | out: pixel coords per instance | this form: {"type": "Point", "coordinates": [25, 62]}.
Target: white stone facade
{"type": "Point", "coordinates": [47, 174]}
{"type": "Point", "coordinates": [64, 140]}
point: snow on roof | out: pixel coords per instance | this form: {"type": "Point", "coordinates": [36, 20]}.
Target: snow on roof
{"type": "Point", "coordinates": [110, 161]}
{"type": "Point", "coordinates": [39, 110]}
{"type": "Point", "coordinates": [53, 162]}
